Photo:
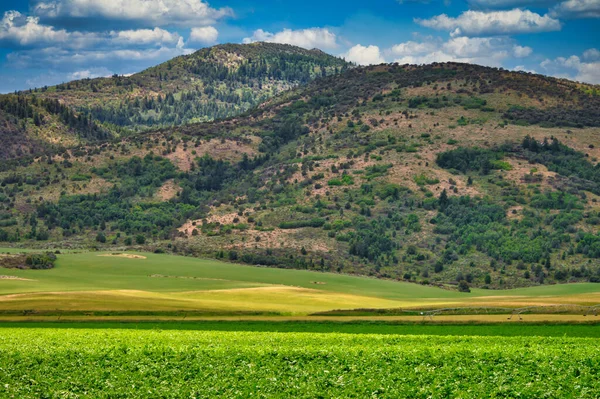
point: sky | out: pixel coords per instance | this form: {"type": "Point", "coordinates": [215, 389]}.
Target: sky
{"type": "Point", "coordinates": [46, 42]}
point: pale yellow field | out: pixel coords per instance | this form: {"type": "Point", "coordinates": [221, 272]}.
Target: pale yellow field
{"type": "Point", "coordinates": [283, 300]}
{"type": "Point", "coordinates": [484, 319]}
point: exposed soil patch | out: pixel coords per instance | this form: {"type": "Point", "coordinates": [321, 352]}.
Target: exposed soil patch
{"type": "Point", "coordinates": [168, 190]}
{"type": "Point", "coordinates": [15, 278]}
{"type": "Point", "coordinates": [278, 238]}
{"type": "Point", "coordinates": [536, 173]}
{"type": "Point", "coordinates": [514, 212]}
{"type": "Point", "coordinates": [128, 256]}
{"type": "Point", "coordinates": [230, 150]}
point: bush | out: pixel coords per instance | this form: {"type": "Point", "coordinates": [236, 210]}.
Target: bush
{"type": "Point", "coordinates": [463, 286]}
{"type": "Point", "coordinates": [41, 261]}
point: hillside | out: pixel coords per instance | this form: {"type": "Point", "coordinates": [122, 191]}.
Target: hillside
{"type": "Point", "coordinates": [438, 174]}
{"type": "Point", "coordinates": [212, 83]}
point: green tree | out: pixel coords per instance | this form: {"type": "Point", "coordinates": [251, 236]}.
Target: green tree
{"type": "Point", "coordinates": [443, 201]}
{"type": "Point", "coordinates": [100, 237]}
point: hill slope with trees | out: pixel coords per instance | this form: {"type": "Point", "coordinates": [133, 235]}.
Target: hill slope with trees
{"type": "Point", "coordinates": [212, 83]}
{"type": "Point", "coordinates": [449, 174]}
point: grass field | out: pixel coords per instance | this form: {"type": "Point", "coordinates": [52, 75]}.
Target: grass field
{"type": "Point", "coordinates": [91, 281]}
{"type": "Point", "coordinates": [116, 363]}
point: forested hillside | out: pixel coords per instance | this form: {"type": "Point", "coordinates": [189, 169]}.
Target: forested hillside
{"type": "Point", "coordinates": [212, 83]}
{"type": "Point", "coordinates": [437, 174]}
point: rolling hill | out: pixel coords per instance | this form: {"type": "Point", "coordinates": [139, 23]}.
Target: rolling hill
{"type": "Point", "coordinates": [437, 174]}
{"type": "Point", "coordinates": [212, 83]}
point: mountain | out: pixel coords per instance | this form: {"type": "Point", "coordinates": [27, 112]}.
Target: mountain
{"type": "Point", "coordinates": [437, 174]}
{"type": "Point", "coordinates": [212, 83]}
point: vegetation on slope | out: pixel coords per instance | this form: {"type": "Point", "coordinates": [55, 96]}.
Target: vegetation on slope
{"type": "Point", "coordinates": [403, 172]}
{"type": "Point", "coordinates": [212, 83]}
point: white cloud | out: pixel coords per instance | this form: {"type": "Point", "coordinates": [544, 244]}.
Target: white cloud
{"type": "Point", "coordinates": [53, 77]}
{"type": "Point", "coordinates": [23, 31]}
{"type": "Point", "coordinates": [577, 9]}
{"type": "Point", "coordinates": [510, 3]}
{"type": "Point", "coordinates": [205, 35]}
{"type": "Point", "coordinates": [521, 51]}
{"type": "Point", "coordinates": [573, 68]}
{"type": "Point", "coordinates": [522, 68]}
{"type": "Point", "coordinates": [154, 36]}
{"type": "Point", "coordinates": [362, 55]}
{"type": "Point", "coordinates": [26, 31]}
{"type": "Point", "coordinates": [490, 51]}
{"type": "Point", "coordinates": [150, 12]}
{"type": "Point", "coordinates": [68, 60]}
{"type": "Point", "coordinates": [476, 23]}
{"type": "Point", "coordinates": [411, 47]}
{"type": "Point", "coordinates": [591, 54]}
{"type": "Point", "coordinates": [90, 73]}
{"type": "Point", "coordinates": [310, 38]}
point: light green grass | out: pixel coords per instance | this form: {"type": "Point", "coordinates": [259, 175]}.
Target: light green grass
{"type": "Point", "coordinates": [89, 281]}
{"type": "Point", "coordinates": [90, 272]}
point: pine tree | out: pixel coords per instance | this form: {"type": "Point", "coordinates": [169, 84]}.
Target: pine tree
{"type": "Point", "coordinates": [443, 201]}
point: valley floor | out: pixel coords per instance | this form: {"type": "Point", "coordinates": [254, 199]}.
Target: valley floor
{"type": "Point", "coordinates": [140, 325]}
{"type": "Point", "coordinates": [148, 285]}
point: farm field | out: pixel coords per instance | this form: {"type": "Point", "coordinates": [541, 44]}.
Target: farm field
{"type": "Point", "coordinates": [145, 282]}
{"type": "Point", "coordinates": [103, 363]}
{"type": "Point", "coordinates": [573, 330]}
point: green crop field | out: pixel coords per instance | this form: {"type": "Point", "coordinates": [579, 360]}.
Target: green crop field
{"type": "Point", "coordinates": [105, 363]}
{"type": "Point", "coordinates": [92, 281]}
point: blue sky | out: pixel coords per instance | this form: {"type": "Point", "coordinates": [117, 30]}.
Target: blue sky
{"type": "Point", "coordinates": [45, 42]}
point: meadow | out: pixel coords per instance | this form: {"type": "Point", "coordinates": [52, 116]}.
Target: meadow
{"type": "Point", "coordinates": [146, 282]}
{"type": "Point", "coordinates": [116, 363]}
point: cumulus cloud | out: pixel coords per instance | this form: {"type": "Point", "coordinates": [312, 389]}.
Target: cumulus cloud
{"type": "Point", "coordinates": [22, 30]}
{"type": "Point", "coordinates": [511, 3]}
{"type": "Point", "coordinates": [146, 37]}
{"type": "Point", "coordinates": [522, 51]}
{"type": "Point", "coordinates": [127, 60]}
{"type": "Point", "coordinates": [90, 73]}
{"type": "Point", "coordinates": [573, 68]}
{"type": "Point", "coordinates": [205, 35]}
{"type": "Point", "coordinates": [522, 68]}
{"type": "Point", "coordinates": [577, 9]}
{"type": "Point", "coordinates": [476, 23]}
{"type": "Point", "coordinates": [364, 55]}
{"type": "Point", "coordinates": [411, 47]}
{"type": "Point", "coordinates": [307, 38]}
{"type": "Point", "coordinates": [148, 12]}
{"type": "Point", "coordinates": [591, 54]}
{"type": "Point", "coordinates": [490, 51]}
